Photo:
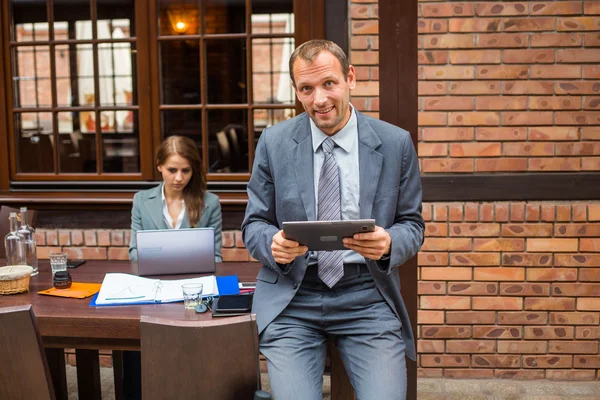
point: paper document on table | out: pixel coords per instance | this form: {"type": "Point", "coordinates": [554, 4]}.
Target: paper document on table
{"type": "Point", "coordinates": [120, 288]}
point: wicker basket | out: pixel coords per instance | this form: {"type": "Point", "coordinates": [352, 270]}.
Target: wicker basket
{"type": "Point", "coordinates": [15, 279]}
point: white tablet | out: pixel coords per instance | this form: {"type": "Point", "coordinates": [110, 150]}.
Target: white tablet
{"type": "Point", "coordinates": [325, 235]}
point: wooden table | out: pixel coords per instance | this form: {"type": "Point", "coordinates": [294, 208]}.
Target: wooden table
{"type": "Point", "coordinates": [72, 323]}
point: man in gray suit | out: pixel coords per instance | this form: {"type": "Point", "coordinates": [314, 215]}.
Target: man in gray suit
{"type": "Point", "coordinates": [333, 162]}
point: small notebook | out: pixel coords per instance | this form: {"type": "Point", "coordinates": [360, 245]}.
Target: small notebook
{"type": "Point", "coordinates": [77, 290]}
{"type": "Point", "coordinates": [122, 289]}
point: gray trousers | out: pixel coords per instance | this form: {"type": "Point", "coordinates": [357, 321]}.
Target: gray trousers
{"type": "Point", "coordinates": [366, 331]}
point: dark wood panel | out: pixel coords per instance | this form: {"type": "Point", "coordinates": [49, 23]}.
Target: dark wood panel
{"type": "Point", "coordinates": [512, 187]}
{"type": "Point", "coordinates": [4, 79]}
{"type": "Point", "coordinates": [399, 106]}
{"type": "Point", "coordinates": [336, 23]}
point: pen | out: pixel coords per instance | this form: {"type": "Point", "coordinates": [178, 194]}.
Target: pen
{"type": "Point", "coordinates": [125, 298]}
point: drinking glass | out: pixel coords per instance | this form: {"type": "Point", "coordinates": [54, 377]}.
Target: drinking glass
{"type": "Point", "coordinates": [192, 294]}
{"type": "Point", "coordinates": [58, 262]}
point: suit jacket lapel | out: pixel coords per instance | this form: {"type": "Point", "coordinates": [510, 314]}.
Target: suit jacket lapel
{"type": "Point", "coordinates": [370, 162]}
{"type": "Point", "coordinates": [303, 166]}
{"type": "Point", "coordinates": [154, 208]}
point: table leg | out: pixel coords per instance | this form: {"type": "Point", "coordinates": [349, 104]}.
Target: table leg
{"type": "Point", "coordinates": [56, 364]}
{"type": "Point", "coordinates": [341, 388]}
{"type": "Point", "coordinates": [88, 374]}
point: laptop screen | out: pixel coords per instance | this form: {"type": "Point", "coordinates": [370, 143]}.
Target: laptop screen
{"type": "Point", "coordinates": [176, 251]}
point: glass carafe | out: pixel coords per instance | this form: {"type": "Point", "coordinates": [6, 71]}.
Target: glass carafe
{"type": "Point", "coordinates": [29, 244]}
{"type": "Point", "coordinates": [14, 243]}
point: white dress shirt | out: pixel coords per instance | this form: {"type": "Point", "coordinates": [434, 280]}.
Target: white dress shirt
{"type": "Point", "coordinates": [166, 214]}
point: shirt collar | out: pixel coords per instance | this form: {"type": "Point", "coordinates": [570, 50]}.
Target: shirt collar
{"type": "Point", "coordinates": [345, 138]}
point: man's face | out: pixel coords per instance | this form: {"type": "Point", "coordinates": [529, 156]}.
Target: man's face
{"type": "Point", "coordinates": [324, 91]}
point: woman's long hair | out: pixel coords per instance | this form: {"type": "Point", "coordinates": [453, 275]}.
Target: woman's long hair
{"type": "Point", "coordinates": [193, 192]}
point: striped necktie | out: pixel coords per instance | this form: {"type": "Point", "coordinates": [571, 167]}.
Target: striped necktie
{"type": "Point", "coordinates": [331, 264]}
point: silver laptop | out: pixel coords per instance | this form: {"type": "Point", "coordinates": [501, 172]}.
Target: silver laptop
{"type": "Point", "coordinates": [176, 251]}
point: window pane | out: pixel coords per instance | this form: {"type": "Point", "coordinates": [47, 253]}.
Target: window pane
{"type": "Point", "coordinates": [120, 145]}
{"type": "Point", "coordinates": [32, 77]}
{"type": "Point", "coordinates": [179, 17]}
{"type": "Point", "coordinates": [30, 20]}
{"type": "Point", "coordinates": [226, 69]}
{"type": "Point", "coordinates": [61, 30]}
{"type": "Point", "coordinates": [180, 72]}
{"type": "Point", "coordinates": [77, 150]}
{"type": "Point", "coordinates": [264, 118]}
{"type": "Point", "coordinates": [183, 123]}
{"type": "Point", "coordinates": [225, 16]}
{"type": "Point", "coordinates": [227, 140]}
{"type": "Point", "coordinates": [72, 19]}
{"type": "Point", "coordinates": [35, 144]}
{"type": "Point", "coordinates": [115, 19]}
{"type": "Point", "coordinates": [114, 64]}
{"type": "Point", "coordinates": [85, 75]}
{"type": "Point", "coordinates": [272, 7]}
{"type": "Point", "coordinates": [270, 72]}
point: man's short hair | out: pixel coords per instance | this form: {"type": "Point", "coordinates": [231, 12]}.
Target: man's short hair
{"type": "Point", "coordinates": [311, 49]}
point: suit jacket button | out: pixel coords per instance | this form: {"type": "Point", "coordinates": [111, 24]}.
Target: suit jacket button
{"type": "Point", "coordinates": [295, 286]}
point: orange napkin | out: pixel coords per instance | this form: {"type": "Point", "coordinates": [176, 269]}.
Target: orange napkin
{"type": "Point", "coordinates": [77, 290]}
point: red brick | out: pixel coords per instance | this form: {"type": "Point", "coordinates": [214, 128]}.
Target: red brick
{"type": "Point", "coordinates": [519, 374]}
{"type": "Point", "coordinates": [456, 212]}
{"type": "Point", "coordinates": [432, 88]}
{"type": "Point", "coordinates": [497, 332]}
{"type": "Point", "coordinates": [427, 213]}
{"type": "Point", "coordinates": [587, 332]}
{"type": "Point", "coordinates": [470, 317]}
{"type": "Point", "coordinates": [573, 347]}
{"type": "Point", "coordinates": [40, 237]}
{"type": "Point", "coordinates": [499, 274]}
{"type": "Point", "coordinates": [556, 39]}
{"type": "Point", "coordinates": [444, 361]}
{"type": "Point", "coordinates": [577, 260]}
{"type": "Point", "coordinates": [527, 230]}
{"type": "Point", "coordinates": [447, 72]}
{"type": "Point", "coordinates": [43, 251]}
{"type": "Point", "coordinates": [577, 56]}
{"type": "Point", "coordinates": [500, 133]}
{"type": "Point", "coordinates": [103, 238]}
{"type": "Point", "coordinates": [578, 118]}
{"type": "Point", "coordinates": [555, 103]}
{"type": "Point", "coordinates": [448, 103]}
{"type": "Point", "coordinates": [553, 245]}
{"type": "Point", "coordinates": [563, 213]}
{"type": "Point", "coordinates": [473, 118]}
{"type": "Point", "coordinates": [432, 118]}
{"type": "Point", "coordinates": [543, 149]}
{"type": "Point", "coordinates": [506, 9]}
{"type": "Point", "coordinates": [238, 239]}
{"type": "Point", "coordinates": [118, 253]}
{"type": "Point", "coordinates": [574, 87]}
{"type": "Point", "coordinates": [591, 7]}
{"type": "Point", "coordinates": [570, 375]}
{"type": "Point", "coordinates": [471, 212]}
{"type": "Point", "coordinates": [502, 40]}
{"type": "Point", "coordinates": [594, 212]}
{"type": "Point", "coordinates": [522, 317]}
{"type": "Point", "coordinates": [517, 212]}
{"type": "Point", "coordinates": [521, 347]}
{"type": "Point", "coordinates": [365, 27]}
{"type": "Point", "coordinates": [440, 212]}
{"type": "Point", "coordinates": [448, 165]}
{"type": "Point", "coordinates": [553, 133]}
{"type": "Point", "coordinates": [497, 303]}
{"type": "Point", "coordinates": [524, 289]}
{"type": "Point", "coordinates": [547, 332]}
{"type": "Point", "coordinates": [64, 237]}
{"type": "Point", "coordinates": [474, 230]}
{"type": "Point", "coordinates": [577, 230]}
{"type": "Point", "coordinates": [86, 253]}
{"type": "Point", "coordinates": [592, 39]}
{"type": "Point", "coordinates": [532, 212]}
{"type": "Point", "coordinates": [446, 273]}
{"type": "Point", "coordinates": [533, 56]}
{"type": "Point", "coordinates": [228, 239]}
{"type": "Point", "coordinates": [527, 259]}
{"type": "Point", "coordinates": [529, 24]}
{"type": "Point", "coordinates": [501, 103]}
{"type": "Point", "coordinates": [584, 304]}
{"type": "Point", "coordinates": [77, 237]}
{"type": "Point", "coordinates": [116, 238]}
{"type": "Point", "coordinates": [590, 245]}
{"type": "Point", "coordinates": [430, 372]}
{"type": "Point", "coordinates": [589, 275]}
{"type": "Point", "coordinates": [551, 274]}
{"type": "Point", "coordinates": [447, 134]}
{"type": "Point", "coordinates": [470, 346]}
{"type": "Point", "coordinates": [591, 71]}
{"type": "Point", "coordinates": [432, 288]}
{"type": "Point", "coordinates": [475, 25]}
{"type": "Point", "coordinates": [528, 87]}
{"type": "Point", "coordinates": [555, 164]}
{"type": "Point", "coordinates": [574, 318]}
{"type": "Point", "coordinates": [474, 87]}
{"type": "Point", "coordinates": [498, 244]}
{"type": "Point", "coordinates": [549, 304]}
{"type": "Point", "coordinates": [495, 361]}
{"type": "Point", "coordinates": [501, 164]}
{"type": "Point", "coordinates": [555, 72]}
{"type": "Point", "coordinates": [447, 244]}
{"type": "Point", "coordinates": [577, 24]}
{"type": "Point", "coordinates": [430, 346]}
{"type": "Point", "coordinates": [90, 238]}
{"type": "Point", "coordinates": [472, 288]}
{"type": "Point", "coordinates": [487, 212]}
{"type": "Point", "coordinates": [591, 103]}
{"type": "Point", "coordinates": [586, 361]}
{"type": "Point", "coordinates": [590, 164]}
{"type": "Point", "coordinates": [449, 41]}
{"type": "Point", "coordinates": [445, 303]}
{"type": "Point", "coordinates": [433, 258]}
{"type": "Point", "coordinates": [448, 9]}
{"type": "Point", "coordinates": [527, 118]}
{"type": "Point", "coordinates": [428, 57]}
{"type": "Point", "coordinates": [553, 8]}
{"type": "Point", "coordinates": [445, 332]}
{"type": "Point", "coordinates": [432, 26]}
{"type": "Point", "coordinates": [475, 57]}
{"type": "Point", "coordinates": [430, 317]}
{"type": "Point", "coordinates": [551, 361]}
{"type": "Point", "coordinates": [436, 229]}
{"type": "Point", "coordinates": [235, 254]}
{"type": "Point", "coordinates": [475, 259]}
{"type": "Point", "coordinates": [503, 72]}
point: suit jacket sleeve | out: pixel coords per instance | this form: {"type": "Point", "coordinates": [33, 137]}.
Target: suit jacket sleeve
{"type": "Point", "coordinates": [407, 232]}
{"type": "Point", "coordinates": [260, 223]}
{"type": "Point", "coordinates": [136, 225]}
{"type": "Point", "coordinates": [215, 221]}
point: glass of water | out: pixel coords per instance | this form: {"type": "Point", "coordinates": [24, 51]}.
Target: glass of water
{"type": "Point", "coordinates": [58, 262]}
{"type": "Point", "coordinates": [192, 294]}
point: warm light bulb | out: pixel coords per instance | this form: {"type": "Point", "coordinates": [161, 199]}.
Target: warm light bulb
{"type": "Point", "coordinates": [181, 26]}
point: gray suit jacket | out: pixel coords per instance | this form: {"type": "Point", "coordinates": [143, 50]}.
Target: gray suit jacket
{"type": "Point", "coordinates": [281, 189]}
{"type": "Point", "coordinates": [147, 214]}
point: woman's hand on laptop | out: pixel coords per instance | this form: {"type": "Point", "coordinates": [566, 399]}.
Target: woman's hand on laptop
{"type": "Point", "coordinates": [285, 251]}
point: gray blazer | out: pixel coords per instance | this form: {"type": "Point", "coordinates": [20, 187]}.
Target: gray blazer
{"type": "Point", "coordinates": [281, 189]}
{"type": "Point", "coordinates": [147, 214]}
